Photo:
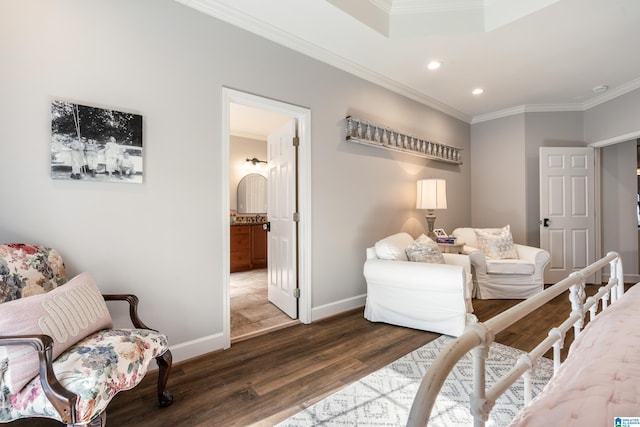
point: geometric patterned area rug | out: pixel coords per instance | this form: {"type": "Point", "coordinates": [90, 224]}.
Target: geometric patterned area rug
{"type": "Point", "coordinates": [384, 397]}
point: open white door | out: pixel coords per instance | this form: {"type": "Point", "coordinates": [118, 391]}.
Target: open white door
{"type": "Point", "coordinates": [567, 209]}
{"type": "Point", "coordinates": [282, 202]}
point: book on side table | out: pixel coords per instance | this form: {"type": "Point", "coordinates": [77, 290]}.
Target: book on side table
{"type": "Point", "coordinates": [450, 245]}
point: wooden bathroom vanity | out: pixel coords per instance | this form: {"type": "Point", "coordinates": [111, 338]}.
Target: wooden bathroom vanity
{"type": "Point", "coordinates": [248, 247]}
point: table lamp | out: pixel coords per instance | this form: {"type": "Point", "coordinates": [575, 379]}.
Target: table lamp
{"type": "Point", "coordinates": [432, 194]}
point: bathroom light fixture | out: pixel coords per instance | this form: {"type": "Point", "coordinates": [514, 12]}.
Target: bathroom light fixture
{"type": "Point", "coordinates": [478, 91]}
{"type": "Point", "coordinates": [255, 161]}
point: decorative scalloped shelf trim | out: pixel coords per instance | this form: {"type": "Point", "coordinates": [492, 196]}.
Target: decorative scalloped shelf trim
{"type": "Point", "coordinates": [374, 135]}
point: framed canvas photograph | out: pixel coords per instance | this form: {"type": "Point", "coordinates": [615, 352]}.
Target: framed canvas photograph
{"type": "Point", "coordinates": [440, 232]}
{"type": "Point", "coordinates": [95, 144]}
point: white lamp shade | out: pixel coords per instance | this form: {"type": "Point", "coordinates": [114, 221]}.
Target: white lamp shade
{"type": "Point", "coordinates": [432, 194]}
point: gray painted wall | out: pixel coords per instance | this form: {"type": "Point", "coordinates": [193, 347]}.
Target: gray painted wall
{"type": "Point", "coordinates": [498, 175]}
{"type": "Point", "coordinates": [618, 120]}
{"type": "Point", "coordinates": [169, 63]}
{"type": "Point", "coordinates": [160, 239]}
{"type": "Point", "coordinates": [505, 155]}
{"type": "Point", "coordinates": [619, 183]}
{"type": "Point", "coordinates": [510, 137]}
{"type": "Point", "coordinates": [617, 117]}
{"type": "Point", "coordinates": [558, 129]}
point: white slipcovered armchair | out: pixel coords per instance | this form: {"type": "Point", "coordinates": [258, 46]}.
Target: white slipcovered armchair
{"type": "Point", "coordinates": [419, 295]}
{"type": "Point", "coordinates": [504, 278]}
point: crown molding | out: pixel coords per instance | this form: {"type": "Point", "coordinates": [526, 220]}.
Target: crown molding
{"type": "Point", "coordinates": [430, 6]}
{"type": "Point", "coordinates": [383, 5]}
{"type": "Point", "coordinates": [498, 114]}
{"type": "Point", "coordinates": [616, 139]}
{"type": "Point", "coordinates": [612, 94]}
{"type": "Point", "coordinates": [530, 108]}
{"type": "Point", "coordinates": [392, 7]}
{"type": "Point", "coordinates": [263, 29]}
{"type": "Point", "coordinates": [268, 31]}
{"type": "Point", "coordinates": [551, 108]}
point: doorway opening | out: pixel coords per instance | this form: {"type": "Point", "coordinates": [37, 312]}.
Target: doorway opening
{"type": "Point", "coordinates": [252, 311]}
{"type": "Point", "coordinates": [253, 256]}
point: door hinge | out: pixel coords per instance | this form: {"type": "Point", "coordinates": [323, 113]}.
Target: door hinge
{"type": "Point", "coordinates": [296, 217]}
{"type": "Point", "coordinates": [296, 293]}
{"type": "Point", "coordinates": [296, 141]}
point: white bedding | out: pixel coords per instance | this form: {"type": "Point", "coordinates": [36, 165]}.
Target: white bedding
{"type": "Point", "coordinates": [600, 379]}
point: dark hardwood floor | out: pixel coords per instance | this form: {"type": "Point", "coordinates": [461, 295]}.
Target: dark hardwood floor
{"type": "Point", "coordinates": [265, 379]}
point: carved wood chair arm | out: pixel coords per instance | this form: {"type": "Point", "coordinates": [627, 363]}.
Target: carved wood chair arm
{"type": "Point", "coordinates": [133, 307]}
{"type": "Point", "coordinates": [164, 361]}
{"type": "Point", "coordinates": [63, 400]}
{"type": "Point", "coordinates": [38, 342]}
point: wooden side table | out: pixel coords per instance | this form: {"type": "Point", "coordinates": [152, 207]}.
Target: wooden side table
{"type": "Point", "coordinates": [451, 248]}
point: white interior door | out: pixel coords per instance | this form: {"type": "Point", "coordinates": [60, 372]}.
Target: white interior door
{"type": "Point", "coordinates": [567, 209]}
{"type": "Point", "coordinates": [282, 246]}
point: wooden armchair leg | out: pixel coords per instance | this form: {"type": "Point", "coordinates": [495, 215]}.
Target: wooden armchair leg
{"type": "Point", "coordinates": [165, 398]}
{"type": "Point", "coordinates": [100, 421]}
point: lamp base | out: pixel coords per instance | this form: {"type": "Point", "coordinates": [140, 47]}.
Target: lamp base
{"type": "Point", "coordinates": [431, 221]}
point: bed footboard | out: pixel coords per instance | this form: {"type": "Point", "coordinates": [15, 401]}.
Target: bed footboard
{"type": "Point", "coordinates": [478, 337]}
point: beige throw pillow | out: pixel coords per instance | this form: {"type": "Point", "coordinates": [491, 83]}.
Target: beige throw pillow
{"type": "Point", "coordinates": [496, 243]}
{"type": "Point", "coordinates": [423, 249]}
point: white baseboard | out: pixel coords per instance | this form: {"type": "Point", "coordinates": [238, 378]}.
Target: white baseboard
{"type": "Point", "coordinates": [631, 278]}
{"type": "Point", "coordinates": [197, 347]}
{"type": "Point", "coordinates": [337, 307]}
{"type": "Point", "coordinates": [200, 346]}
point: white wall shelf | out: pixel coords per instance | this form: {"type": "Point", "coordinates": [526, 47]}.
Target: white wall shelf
{"type": "Point", "coordinates": [374, 135]}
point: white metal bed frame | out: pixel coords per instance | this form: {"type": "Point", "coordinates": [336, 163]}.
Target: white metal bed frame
{"type": "Point", "coordinates": [478, 337]}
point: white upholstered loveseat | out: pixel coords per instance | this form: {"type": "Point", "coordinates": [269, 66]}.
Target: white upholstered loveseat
{"type": "Point", "coordinates": [419, 295]}
{"type": "Point", "coordinates": [511, 278]}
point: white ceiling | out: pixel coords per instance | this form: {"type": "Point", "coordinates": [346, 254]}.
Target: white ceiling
{"type": "Point", "coordinates": [527, 55]}
{"type": "Point", "coordinates": [254, 123]}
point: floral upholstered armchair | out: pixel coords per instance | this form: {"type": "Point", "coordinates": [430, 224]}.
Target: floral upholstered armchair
{"type": "Point", "coordinates": [60, 356]}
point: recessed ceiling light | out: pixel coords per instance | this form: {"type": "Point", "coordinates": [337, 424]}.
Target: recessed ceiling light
{"type": "Point", "coordinates": [477, 91]}
{"type": "Point", "coordinates": [434, 65]}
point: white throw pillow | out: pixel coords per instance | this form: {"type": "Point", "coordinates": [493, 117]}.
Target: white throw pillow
{"type": "Point", "coordinates": [393, 247]}
{"type": "Point", "coordinates": [496, 243]}
{"type": "Point", "coordinates": [423, 249]}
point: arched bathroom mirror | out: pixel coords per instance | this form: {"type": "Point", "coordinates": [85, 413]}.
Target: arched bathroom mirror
{"type": "Point", "coordinates": [252, 194]}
